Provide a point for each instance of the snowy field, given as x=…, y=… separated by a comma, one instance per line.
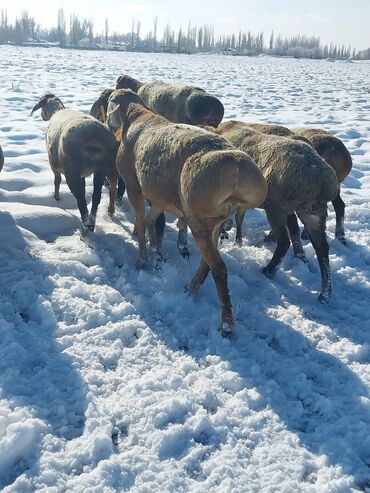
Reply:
x=113, y=379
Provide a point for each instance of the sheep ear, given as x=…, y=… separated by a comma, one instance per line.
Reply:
x=112, y=108
x=95, y=108
x=37, y=106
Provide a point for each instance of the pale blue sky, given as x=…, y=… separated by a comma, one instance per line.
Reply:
x=340, y=21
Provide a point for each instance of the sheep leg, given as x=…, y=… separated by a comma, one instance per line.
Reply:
x=159, y=227
x=57, y=182
x=77, y=186
x=239, y=217
x=112, y=180
x=199, y=277
x=182, y=238
x=155, y=241
x=339, y=207
x=316, y=226
x=120, y=190
x=277, y=221
x=96, y=196
x=137, y=201
x=207, y=244
x=295, y=238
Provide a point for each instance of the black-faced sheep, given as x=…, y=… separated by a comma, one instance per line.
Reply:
x=185, y=170
x=99, y=111
x=300, y=181
x=179, y=103
x=329, y=148
x=78, y=146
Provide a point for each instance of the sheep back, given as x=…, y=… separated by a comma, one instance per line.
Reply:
x=296, y=175
x=271, y=129
x=330, y=148
x=77, y=139
x=180, y=103
x=179, y=163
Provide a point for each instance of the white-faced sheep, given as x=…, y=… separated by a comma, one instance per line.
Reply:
x=300, y=181
x=179, y=103
x=185, y=170
x=328, y=147
x=78, y=146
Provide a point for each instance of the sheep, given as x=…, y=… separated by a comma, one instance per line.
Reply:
x=179, y=103
x=337, y=155
x=99, y=111
x=1, y=159
x=328, y=147
x=78, y=145
x=196, y=175
x=300, y=181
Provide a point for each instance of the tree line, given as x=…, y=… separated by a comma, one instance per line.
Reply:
x=76, y=32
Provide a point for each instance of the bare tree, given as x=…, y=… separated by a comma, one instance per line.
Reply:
x=138, y=28
x=106, y=30
x=155, y=23
x=61, y=28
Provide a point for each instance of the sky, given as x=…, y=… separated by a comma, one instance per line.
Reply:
x=340, y=21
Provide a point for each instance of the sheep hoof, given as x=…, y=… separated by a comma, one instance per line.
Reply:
x=158, y=257
x=323, y=298
x=342, y=239
x=184, y=252
x=134, y=232
x=57, y=197
x=192, y=288
x=226, y=329
x=84, y=229
x=111, y=211
x=268, y=272
x=140, y=262
x=224, y=235
x=239, y=241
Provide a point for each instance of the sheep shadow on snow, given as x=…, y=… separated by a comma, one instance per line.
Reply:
x=316, y=395
x=35, y=374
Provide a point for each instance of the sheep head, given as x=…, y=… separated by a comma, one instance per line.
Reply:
x=127, y=82
x=99, y=108
x=118, y=107
x=49, y=105
x=203, y=109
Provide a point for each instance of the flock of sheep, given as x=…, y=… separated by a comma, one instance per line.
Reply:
x=166, y=145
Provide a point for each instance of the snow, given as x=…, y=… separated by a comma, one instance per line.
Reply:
x=113, y=379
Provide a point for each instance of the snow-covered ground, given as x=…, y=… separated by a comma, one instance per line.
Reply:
x=113, y=379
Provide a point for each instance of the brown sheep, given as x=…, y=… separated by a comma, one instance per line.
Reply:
x=78, y=145
x=185, y=170
x=328, y=147
x=300, y=181
x=179, y=103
